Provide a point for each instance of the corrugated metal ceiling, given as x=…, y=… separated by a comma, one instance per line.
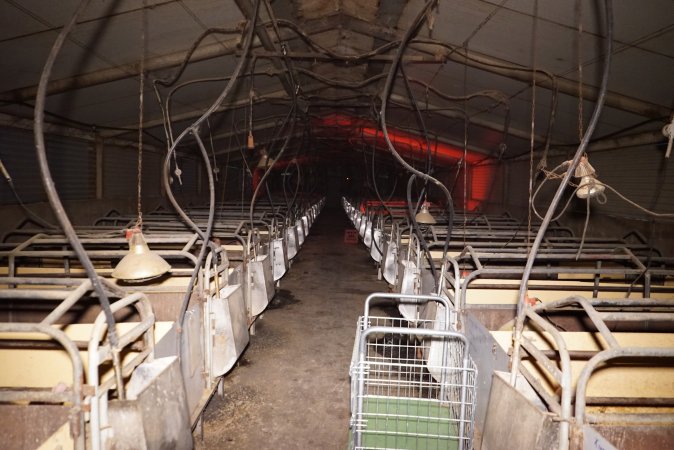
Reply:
x=108, y=37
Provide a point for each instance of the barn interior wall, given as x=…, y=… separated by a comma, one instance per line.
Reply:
x=90, y=185
x=624, y=170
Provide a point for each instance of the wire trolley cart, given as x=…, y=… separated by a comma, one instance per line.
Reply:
x=412, y=386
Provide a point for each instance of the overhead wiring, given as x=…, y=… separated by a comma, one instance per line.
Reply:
x=328, y=52
x=386, y=93
x=521, y=304
x=85, y=126
x=195, y=125
x=284, y=46
x=414, y=206
x=194, y=130
x=29, y=212
x=55, y=201
x=290, y=120
x=167, y=82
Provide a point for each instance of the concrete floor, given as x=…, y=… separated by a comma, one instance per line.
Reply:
x=291, y=388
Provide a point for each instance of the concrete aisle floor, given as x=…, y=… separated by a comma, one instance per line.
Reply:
x=291, y=387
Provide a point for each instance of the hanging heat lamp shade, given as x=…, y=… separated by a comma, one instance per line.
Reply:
x=589, y=186
x=424, y=217
x=141, y=263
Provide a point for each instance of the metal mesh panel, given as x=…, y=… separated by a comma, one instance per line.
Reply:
x=401, y=399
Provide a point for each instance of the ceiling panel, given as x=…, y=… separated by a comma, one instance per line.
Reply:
x=663, y=43
x=643, y=75
x=641, y=72
x=23, y=67
x=16, y=22
x=57, y=13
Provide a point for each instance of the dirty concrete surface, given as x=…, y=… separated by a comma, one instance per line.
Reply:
x=291, y=387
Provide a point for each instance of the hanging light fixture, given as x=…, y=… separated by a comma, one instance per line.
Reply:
x=141, y=263
x=424, y=216
x=251, y=141
x=264, y=159
x=250, y=144
x=590, y=187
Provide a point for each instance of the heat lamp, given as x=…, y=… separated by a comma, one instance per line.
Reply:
x=589, y=186
x=424, y=216
x=141, y=263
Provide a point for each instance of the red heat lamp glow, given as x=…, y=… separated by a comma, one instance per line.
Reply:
x=413, y=146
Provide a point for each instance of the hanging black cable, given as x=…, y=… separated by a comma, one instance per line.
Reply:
x=29, y=212
x=386, y=93
x=420, y=236
x=50, y=188
x=195, y=125
x=286, y=174
x=601, y=97
x=420, y=119
x=206, y=241
x=291, y=121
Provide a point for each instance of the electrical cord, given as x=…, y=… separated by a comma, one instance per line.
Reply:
x=284, y=46
x=48, y=182
x=386, y=93
x=193, y=129
x=600, y=199
x=84, y=125
x=286, y=174
x=420, y=236
x=290, y=120
x=420, y=119
x=167, y=82
x=376, y=188
x=29, y=212
x=326, y=51
x=429, y=167
x=521, y=304
x=195, y=125
x=178, y=73
x=206, y=242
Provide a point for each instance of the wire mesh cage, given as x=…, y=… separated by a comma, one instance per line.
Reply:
x=413, y=387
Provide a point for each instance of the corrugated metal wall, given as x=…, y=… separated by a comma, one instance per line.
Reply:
x=487, y=186
x=119, y=172
x=17, y=152
x=73, y=166
x=641, y=174
x=516, y=195
x=72, y=163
